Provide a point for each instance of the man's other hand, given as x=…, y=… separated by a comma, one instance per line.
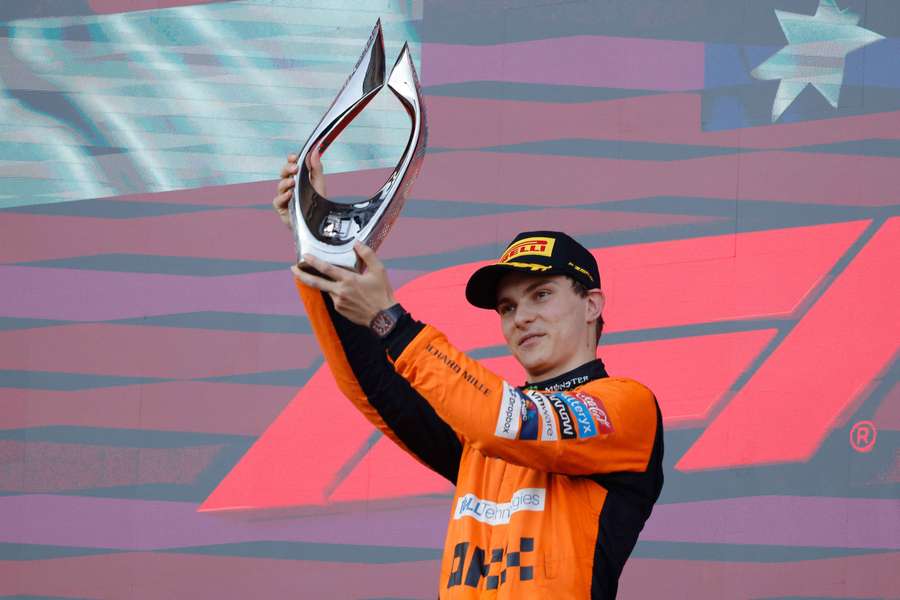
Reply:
x=286, y=183
x=357, y=296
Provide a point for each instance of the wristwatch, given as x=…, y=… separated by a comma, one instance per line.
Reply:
x=385, y=320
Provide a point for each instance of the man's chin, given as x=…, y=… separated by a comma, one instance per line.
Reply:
x=531, y=364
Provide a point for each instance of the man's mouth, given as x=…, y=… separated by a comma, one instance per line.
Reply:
x=527, y=338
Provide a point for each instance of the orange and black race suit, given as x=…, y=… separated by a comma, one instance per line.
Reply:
x=554, y=480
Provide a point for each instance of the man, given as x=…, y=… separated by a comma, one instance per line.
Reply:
x=554, y=479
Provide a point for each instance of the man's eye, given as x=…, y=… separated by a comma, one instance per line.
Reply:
x=542, y=293
x=504, y=308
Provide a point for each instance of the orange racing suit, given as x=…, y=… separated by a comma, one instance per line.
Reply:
x=554, y=480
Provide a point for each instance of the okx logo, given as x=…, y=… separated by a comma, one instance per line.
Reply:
x=496, y=568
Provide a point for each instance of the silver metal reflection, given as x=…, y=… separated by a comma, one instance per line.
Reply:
x=328, y=229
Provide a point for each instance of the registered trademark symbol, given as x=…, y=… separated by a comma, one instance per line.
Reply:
x=862, y=436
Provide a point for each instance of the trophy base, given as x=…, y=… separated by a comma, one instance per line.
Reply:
x=345, y=260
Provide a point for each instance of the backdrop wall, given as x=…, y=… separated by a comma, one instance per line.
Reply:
x=167, y=426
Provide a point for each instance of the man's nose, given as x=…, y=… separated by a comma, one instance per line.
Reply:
x=524, y=315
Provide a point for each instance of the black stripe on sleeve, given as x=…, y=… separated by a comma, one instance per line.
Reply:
x=402, y=335
x=628, y=505
x=403, y=409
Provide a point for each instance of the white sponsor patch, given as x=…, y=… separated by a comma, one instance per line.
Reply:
x=494, y=513
x=548, y=421
x=510, y=416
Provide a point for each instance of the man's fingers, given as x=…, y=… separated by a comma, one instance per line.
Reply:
x=281, y=201
x=325, y=268
x=290, y=167
x=313, y=281
x=367, y=255
x=288, y=170
x=316, y=171
x=285, y=189
x=314, y=161
x=285, y=184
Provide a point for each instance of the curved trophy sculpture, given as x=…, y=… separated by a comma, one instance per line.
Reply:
x=328, y=229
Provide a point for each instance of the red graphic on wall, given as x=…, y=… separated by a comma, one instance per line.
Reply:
x=788, y=405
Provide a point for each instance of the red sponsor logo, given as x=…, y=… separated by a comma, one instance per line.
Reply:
x=597, y=410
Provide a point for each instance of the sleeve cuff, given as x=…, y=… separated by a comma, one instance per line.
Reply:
x=400, y=337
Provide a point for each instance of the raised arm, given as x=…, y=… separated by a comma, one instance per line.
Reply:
x=361, y=369
x=366, y=377
x=609, y=425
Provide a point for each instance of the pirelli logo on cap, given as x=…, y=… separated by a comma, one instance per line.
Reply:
x=534, y=246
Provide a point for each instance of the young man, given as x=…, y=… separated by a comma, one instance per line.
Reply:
x=554, y=479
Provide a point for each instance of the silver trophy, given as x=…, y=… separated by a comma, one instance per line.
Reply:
x=327, y=229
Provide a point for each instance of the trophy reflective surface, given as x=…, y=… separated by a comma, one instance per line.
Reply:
x=327, y=229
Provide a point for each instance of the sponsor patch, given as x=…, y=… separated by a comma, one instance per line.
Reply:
x=563, y=385
x=597, y=410
x=566, y=421
x=568, y=383
x=548, y=421
x=496, y=566
x=510, y=417
x=530, y=422
x=586, y=426
x=535, y=246
x=500, y=513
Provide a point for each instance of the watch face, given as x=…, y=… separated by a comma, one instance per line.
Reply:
x=383, y=323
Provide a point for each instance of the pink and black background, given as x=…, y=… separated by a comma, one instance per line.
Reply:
x=167, y=426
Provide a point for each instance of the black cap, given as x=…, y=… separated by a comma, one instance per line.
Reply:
x=537, y=252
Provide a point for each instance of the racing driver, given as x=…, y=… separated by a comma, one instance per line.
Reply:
x=555, y=478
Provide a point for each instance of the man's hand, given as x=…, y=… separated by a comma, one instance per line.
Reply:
x=357, y=296
x=286, y=184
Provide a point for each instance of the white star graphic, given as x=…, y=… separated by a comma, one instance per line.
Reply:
x=817, y=48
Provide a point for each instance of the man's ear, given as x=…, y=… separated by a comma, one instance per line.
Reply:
x=595, y=302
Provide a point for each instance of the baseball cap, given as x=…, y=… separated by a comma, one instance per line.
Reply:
x=539, y=253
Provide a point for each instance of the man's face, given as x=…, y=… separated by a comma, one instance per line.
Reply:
x=545, y=323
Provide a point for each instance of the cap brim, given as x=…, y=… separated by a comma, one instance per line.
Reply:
x=481, y=290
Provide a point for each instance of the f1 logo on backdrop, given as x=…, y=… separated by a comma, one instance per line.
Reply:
x=798, y=386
